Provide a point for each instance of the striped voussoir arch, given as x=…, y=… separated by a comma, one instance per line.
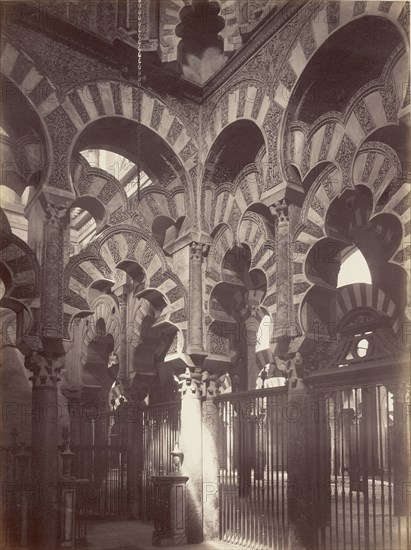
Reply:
x=359, y=295
x=222, y=243
x=33, y=84
x=92, y=101
x=156, y=201
x=100, y=261
x=248, y=100
x=102, y=308
x=20, y=159
x=8, y=330
x=21, y=264
x=330, y=17
x=378, y=167
x=138, y=311
x=335, y=137
x=253, y=233
x=104, y=188
x=246, y=189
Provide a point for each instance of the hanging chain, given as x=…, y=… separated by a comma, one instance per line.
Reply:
x=139, y=93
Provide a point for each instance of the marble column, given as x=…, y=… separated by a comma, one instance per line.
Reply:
x=134, y=413
x=400, y=448
x=191, y=445
x=44, y=369
x=210, y=417
x=197, y=253
x=48, y=218
x=122, y=357
x=135, y=459
x=55, y=228
x=300, y=449
x=284, y=326
x=73, y=395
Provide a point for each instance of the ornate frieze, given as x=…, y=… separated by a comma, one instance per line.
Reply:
x=383, y=171
x=359, y=7
x=344, y=157
x=116, y=95
x=188, y=150
x=364, y=116
x=369, y=164
x=54, y=225
x=333, y=15
x=156, y=115
x=174, y=131
x=390, y=100
x=62, y=132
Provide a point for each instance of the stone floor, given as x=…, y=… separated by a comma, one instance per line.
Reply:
x=135, y=535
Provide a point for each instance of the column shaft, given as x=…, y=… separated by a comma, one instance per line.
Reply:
x=299, y=468
x=210, y=422
x=44, y=450
x=123, y=370
x=283, y=329
x=197, y=252
x=191, y=445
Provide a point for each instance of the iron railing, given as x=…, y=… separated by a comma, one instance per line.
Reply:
x=161, y=429
x=252, y=443
x=103, y=463
x=363, y=445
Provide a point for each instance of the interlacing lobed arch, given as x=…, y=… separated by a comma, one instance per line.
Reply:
x=21, y=277
x=116, y=249
x=104, y=307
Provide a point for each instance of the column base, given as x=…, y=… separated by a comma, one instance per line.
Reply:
x=168, y=539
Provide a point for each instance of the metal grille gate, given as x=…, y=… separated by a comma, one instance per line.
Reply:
x=161, y=429
x=362, y=473
x=253, y=468
x=104, y=464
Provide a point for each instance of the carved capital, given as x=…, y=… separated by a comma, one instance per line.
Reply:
x=198, y=251
x=56, y=214
x=44, y=369
x=211, y=384
x=253, y=301
x=191, y=383
x=280, y=211
x=293, y=367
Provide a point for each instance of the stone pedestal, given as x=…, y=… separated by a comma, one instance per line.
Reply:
x=170, y=510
